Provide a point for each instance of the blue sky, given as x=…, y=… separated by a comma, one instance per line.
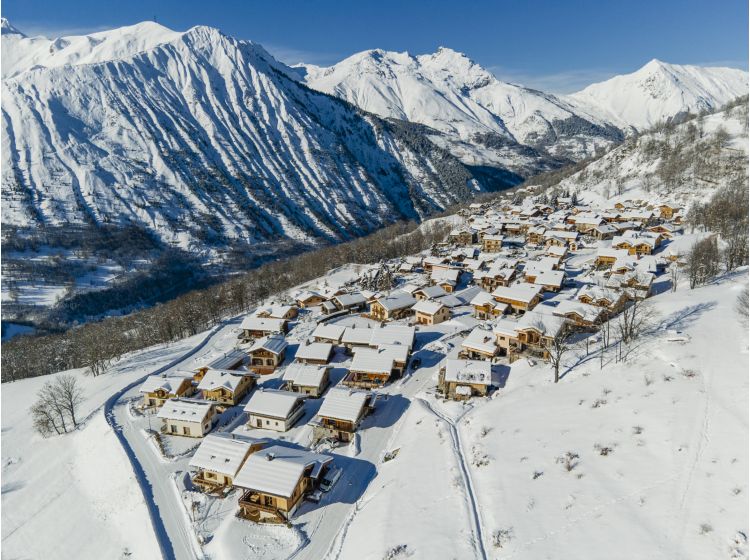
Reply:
x=557, y=46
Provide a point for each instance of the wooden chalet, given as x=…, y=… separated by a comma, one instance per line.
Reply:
x=267, y=353
x=461, y=379
x=226, y=387
x=157, y=389
x=341, y=413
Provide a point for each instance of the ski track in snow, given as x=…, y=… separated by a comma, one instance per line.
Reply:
x=477, y=528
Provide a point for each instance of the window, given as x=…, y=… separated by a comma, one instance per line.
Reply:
x=268, y=500
x=185, y=431
x=173, y=428
x=269, y=361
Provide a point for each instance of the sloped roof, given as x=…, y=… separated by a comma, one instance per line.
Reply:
x=427, y=307
x=228, y=379
x=168, y=384
x=314, y=351
x=228, y=359
x=372, y=360
x=393, y=334
x=518, y=292
x=344, y=404
x=272, y=402
x=329, y=332
x=277, y=470
x=274, y=343
x=306, y=375
x=262, y=324
x=481, y=340
x=185, y=410
x=468, y=371
x=223, y=453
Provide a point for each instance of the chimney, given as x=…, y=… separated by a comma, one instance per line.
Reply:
x=270, y=456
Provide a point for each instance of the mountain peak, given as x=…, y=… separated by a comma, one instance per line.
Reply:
x=8, y=29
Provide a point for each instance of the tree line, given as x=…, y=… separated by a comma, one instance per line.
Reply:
x=98, y=345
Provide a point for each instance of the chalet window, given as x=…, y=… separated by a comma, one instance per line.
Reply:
x=185, y=431
x=269, y=361
x=268, y=500
x=173, y=428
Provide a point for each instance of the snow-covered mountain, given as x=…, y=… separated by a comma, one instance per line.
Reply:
x=452, y=94
x=660, y=91
x=201, y=139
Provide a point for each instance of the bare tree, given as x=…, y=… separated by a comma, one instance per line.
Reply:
x=70, y=395
x=703, y=261
x=635, y=319
x=743, y=305
x=558, y=347
x=674, y=275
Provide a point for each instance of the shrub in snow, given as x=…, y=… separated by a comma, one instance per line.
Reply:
x=485, y=430
x=603, y=451
x=569, y=460
x=501, y=537
x=598, y=403
x=537, y=474
x=705, y=528
x=400, y=551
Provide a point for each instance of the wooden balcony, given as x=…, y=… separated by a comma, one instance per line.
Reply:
x=252, y=508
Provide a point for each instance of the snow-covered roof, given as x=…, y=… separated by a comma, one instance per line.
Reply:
x=263, y=324
x=483, y=298
x=350, y=300
x=223, y=452
x=277, y=470
x=168, y=384
x=431, y=291
x=185, y=410
x=228, y=379
x=396, y=300
x=314, y=351
x=393, y=334
x=275, y=311
x=428, y=307
x=357, y=335
x=305, y=375
x=307, y=295
x=546, y=324
x=344, y=404
x=481, y=340
x=329, y=332
x=550, y=278
x=272, y=402
x=449, y=300
x=518, y=292
x=468, y=371
x=372, y=360
x=228, y=359
x=274, y=343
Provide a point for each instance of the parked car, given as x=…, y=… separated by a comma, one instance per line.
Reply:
x=329, y=479
x=315, y=497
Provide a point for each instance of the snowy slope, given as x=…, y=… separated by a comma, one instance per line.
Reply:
x=659, y=91
x=450, y=93
x=201, y=139
x=683, y=164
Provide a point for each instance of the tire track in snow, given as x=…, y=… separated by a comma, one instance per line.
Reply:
x=465, y=475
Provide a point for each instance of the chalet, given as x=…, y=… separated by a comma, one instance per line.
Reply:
x=428, y=312
x=341, y=413
x=579, y=315
x=486, y=307
x=429, y=263
x=462, y=379
x=309, y=299
x=604, y=231
x=609, y=299
x=636, y=244
x=226, y=387
x=350, y=302
x=636, y=284
x=429, y=292
x=256, y=327
x=275, y=480
x=272, y=409
x=394, y=306
x=219, y=457
x=330, y=333
x=316, y=353
x=536, y=331
x=667, y=231
x=234, y=359
x=356, y=337
x=535, y=235
x=549, y=280
x=496, y=276
x=310, y=380
x=462, y=236
x=445, y=278
x=585, y=223
x=187, y=417
x=479, y=344
x=492, y=243
x=562, y=239
x=287, y=312
x=370, y=367
x=607, y=256
x=328, y=307
x=520, y=297
x=557, y=251
x=506, y=337
x=267, y=353
x=157, y=389
x=392, y=335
